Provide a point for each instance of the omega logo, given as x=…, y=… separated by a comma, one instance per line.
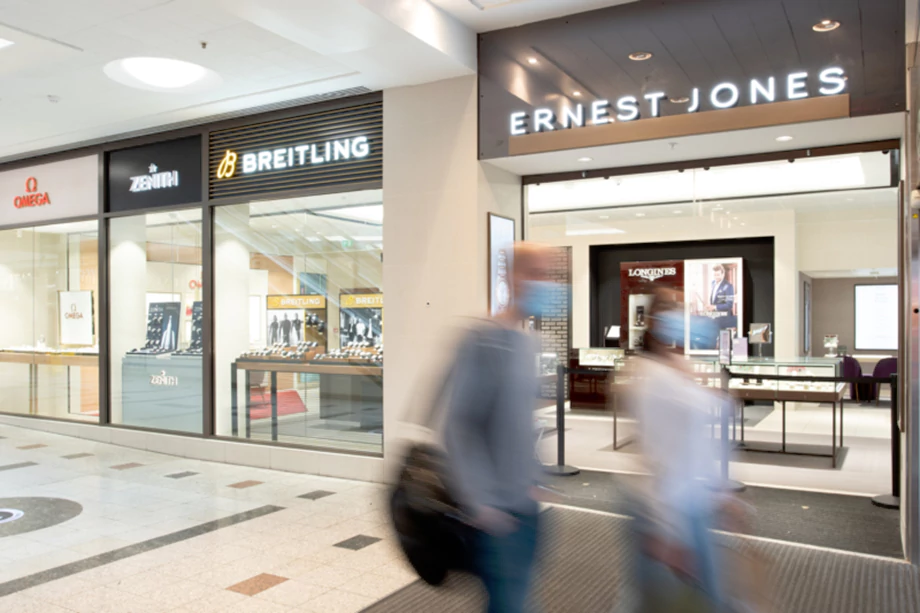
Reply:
x=193, y=284
x=74, y=313
x=32, y=197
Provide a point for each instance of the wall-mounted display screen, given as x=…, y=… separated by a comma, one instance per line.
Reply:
x=876, y=317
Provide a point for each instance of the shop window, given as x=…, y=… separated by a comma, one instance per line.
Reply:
x=299, y=321
x=49, y=361
x=155, y=307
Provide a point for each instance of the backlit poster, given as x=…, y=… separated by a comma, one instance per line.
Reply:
x=76, y=318
x=713, y=291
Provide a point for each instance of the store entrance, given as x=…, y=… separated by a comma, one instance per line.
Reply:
x=792, y=268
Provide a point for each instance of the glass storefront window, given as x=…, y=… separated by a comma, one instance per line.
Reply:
x=49, y=357
x=156, y=312
x=299, y=321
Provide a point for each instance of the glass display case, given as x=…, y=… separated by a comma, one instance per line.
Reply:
x=749, y=375
x=706, y=371
x=595, y=357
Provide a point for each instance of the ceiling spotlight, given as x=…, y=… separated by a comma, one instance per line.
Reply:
x=532, y=61
x=576, y=93
x=680, y=100
x=826, y=25
x=784, y=139
x=5, y=43
x=640, y=56
x=585, y=159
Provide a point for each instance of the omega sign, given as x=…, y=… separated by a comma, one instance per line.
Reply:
x=73, y=313
x=652, y=274
x=833, y=81
x=32, y=197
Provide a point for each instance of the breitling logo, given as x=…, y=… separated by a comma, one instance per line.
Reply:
x=227, y=167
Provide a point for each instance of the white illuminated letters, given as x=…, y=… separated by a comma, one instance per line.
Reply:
x=628, y=107
x=518, y=123
x=721, y=102
x=694, y=101
x=797, y=86
x=574, y=117
x=768, y=93
x=655, y=99
x=600, y=112
x=293, y=156
x=834, y=82
x=768, y=89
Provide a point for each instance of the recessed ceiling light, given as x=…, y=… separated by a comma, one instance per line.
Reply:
x=161, y=74
x=576, y=93
x=605, y=217
x=532, y=61
x=6, y=43
x=679, y=100
x=677, y=212
x=784, y=139
x=640, y=56
x=826, y=25
x=585, y=159
x=640, y=214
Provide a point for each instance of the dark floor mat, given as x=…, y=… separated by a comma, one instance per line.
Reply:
x=850, y=523
x=585, y=562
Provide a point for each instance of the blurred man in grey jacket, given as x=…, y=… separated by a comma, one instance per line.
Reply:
x=490, y=434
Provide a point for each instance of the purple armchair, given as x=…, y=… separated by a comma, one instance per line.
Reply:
x=885, y=368
x=851, y=368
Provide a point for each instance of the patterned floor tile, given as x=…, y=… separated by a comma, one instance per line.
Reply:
x=259, y=583
x=358, y=542
x=181, y=475
x=127, y=466
x=316, y=495
x=76, y=456
x=35, y=446
x=244, y=484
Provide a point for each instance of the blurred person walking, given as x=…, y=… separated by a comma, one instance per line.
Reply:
x=490, y=435
x=677, y=566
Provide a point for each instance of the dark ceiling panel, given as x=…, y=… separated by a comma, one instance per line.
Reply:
x=696, y=43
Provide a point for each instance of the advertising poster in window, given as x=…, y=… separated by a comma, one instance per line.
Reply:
x=361, y=320
x=76, y=317
x=713, y=291
x=501, y=261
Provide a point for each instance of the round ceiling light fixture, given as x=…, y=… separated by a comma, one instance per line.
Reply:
x=680, y=100
x=641, y=56
x=826, y=25
x=161, y=74
x=576, y=93
x=532, y=61
x=784, y=139
x=585, y=159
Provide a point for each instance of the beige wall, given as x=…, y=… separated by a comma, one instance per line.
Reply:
x=833, y=311
x=849, y=239
x=436, y=197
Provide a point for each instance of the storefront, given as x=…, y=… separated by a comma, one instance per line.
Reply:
x=241, y=265
x=761, y=182
x=50, y=299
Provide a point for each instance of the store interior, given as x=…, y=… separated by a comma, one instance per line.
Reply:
x=807, y=247
x=307, y=314
x=49, y=355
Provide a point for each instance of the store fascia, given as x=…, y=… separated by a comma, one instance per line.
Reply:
x=325, y=157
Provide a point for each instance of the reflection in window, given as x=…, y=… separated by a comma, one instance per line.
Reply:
x=156, y=315
x=299, y=321
x=49, y=357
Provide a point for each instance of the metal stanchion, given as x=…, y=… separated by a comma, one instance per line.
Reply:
x=726, y=483
x=893, y=500
x=560, y=468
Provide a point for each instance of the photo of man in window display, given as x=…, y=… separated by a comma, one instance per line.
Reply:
x=714, y=294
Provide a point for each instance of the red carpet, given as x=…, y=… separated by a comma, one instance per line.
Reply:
x=289, y=402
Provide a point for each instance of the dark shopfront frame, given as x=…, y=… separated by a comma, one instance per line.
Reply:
x=207, y=205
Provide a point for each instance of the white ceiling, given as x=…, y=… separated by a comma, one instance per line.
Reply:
x=710, y=146
x=53, y=91
x=487, y=15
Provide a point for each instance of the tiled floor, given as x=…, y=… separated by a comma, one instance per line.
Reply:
x=864, y=469
x=147, y=539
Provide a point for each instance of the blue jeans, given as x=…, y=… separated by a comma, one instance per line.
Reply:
x=505, y=564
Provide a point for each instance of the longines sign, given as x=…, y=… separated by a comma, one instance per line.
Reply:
x=50, y=191
x=795, y=86
x=652, y=274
